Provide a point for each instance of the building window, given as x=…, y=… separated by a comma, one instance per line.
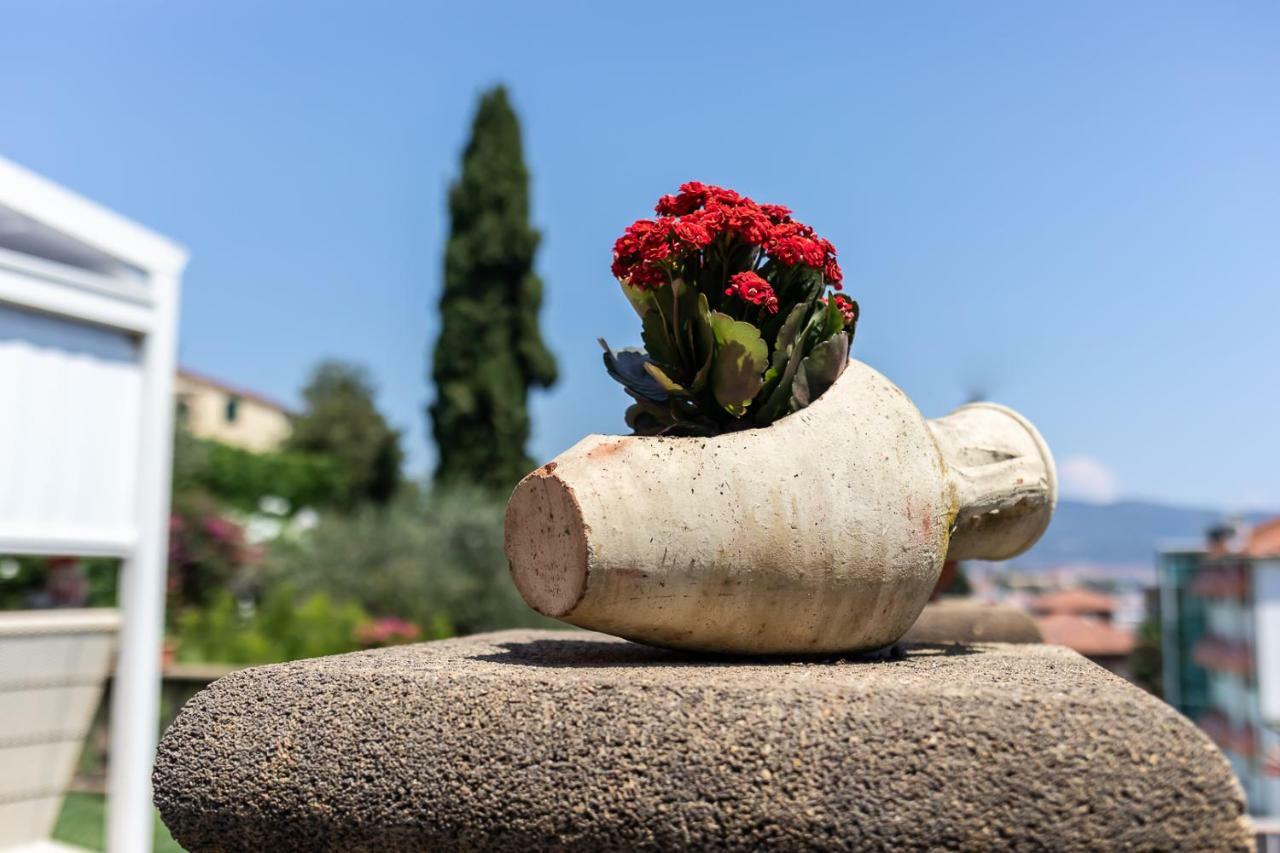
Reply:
x=233, y=409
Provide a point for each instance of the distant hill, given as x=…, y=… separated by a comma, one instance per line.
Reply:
x=1121, y=534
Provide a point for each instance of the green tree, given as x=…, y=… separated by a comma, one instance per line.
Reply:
x=1147, y=660
x=342, y=423
x=490, y=351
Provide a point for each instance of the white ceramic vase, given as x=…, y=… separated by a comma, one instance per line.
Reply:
x=824, y=532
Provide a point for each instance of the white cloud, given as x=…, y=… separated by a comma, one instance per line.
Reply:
x=1085, y=478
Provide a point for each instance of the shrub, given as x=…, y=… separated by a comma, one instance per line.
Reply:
x=207, y=551
x=36, y=582
x=242, y=478
x=284, y=625
x=436, y=562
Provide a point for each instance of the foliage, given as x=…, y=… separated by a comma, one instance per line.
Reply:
x=207, y=551
x=490, y=351
x=1148, y=658
x=282, y=626
x=83, y=820
x=32, y=582
x=738, y=326
x=342, y=423
x=437, y=562
x=242, y=478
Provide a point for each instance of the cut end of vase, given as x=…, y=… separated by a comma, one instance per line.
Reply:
x=546, y=543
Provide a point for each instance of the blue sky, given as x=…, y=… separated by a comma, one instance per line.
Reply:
x=1072, y=208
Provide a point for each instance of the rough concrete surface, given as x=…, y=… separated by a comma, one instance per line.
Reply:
x=967, y=621
x=537, y=740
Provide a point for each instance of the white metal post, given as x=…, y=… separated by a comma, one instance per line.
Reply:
x=135, y=703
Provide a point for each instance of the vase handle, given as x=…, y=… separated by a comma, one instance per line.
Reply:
x=1005, y=481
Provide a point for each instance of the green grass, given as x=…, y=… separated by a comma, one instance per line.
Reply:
x=83, y=823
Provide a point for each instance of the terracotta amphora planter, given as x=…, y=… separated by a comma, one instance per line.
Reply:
x=824, y=532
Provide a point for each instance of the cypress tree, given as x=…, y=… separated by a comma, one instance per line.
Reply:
x=490, y=351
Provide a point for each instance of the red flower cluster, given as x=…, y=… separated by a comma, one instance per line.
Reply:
x=750, y=287
x=647, y=252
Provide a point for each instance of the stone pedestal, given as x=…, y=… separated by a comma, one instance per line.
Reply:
x=530, y=740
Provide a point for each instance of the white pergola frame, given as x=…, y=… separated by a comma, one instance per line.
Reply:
x=148, y=310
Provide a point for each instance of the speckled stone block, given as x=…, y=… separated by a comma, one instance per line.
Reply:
x=533, y=740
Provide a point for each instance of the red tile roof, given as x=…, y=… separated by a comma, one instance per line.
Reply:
x=233, y=390
x=1264, y=540
x=1090, y=637
x=1073, y=601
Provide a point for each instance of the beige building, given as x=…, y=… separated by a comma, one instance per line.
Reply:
x=234, y=416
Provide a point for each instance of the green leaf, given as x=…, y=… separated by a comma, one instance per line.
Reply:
x=832, y=321
x=663, y=298
x=648, y=418
x=704, y=344
x=819, y=370
x=627, y=366
x=787, y=335
x=641, y=300
x=668, y=384
x=657, y=339
x=740, y=359
x=775, y=405
x=678, y=416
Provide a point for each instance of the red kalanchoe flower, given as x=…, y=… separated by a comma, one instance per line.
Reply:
x=651, y=252
x=776, y=212
x=693, y=232
x=751, y=288
x=666, y=205
x=647, y=276
x=697, y=189
x=656, y=247
x=791, y=250
x=792, y=243
x=724, y=196
x=832, y=273
x=678, y=205
x=748, y=222
x=713, y=218
x=830, y=269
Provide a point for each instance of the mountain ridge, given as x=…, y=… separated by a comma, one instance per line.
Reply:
x=1124, y=533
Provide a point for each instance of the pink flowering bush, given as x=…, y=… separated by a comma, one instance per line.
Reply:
x=739, y=325
x=388, y=631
